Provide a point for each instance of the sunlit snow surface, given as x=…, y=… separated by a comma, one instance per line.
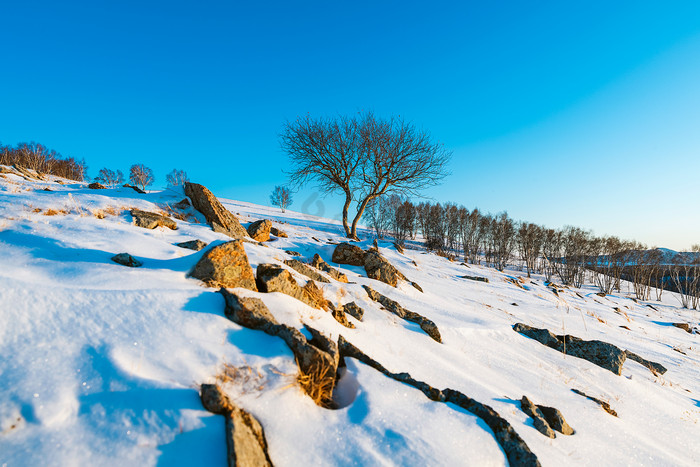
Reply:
x=101, y=363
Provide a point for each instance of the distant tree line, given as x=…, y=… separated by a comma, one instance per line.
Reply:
x=570, y=255
x=38, y=157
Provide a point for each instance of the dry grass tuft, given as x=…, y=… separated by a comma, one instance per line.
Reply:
x=244, y=377
x=318, y=384
x=54, y=212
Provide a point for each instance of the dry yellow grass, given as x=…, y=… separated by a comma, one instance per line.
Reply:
x=318, y=384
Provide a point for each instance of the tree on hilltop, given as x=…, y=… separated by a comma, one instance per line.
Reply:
x=177, y=178
x=141, y=176
x=281, y=197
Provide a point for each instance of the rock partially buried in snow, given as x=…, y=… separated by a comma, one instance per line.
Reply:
x=345, y=253
x=537, y=417
x=377, y=267
x=274, y=278
x=318, y=263
x=151, y=220
x=278, y=233
x=195, y=245
x=354, y=310
x=225, y=265
x=302, y=268
x=96, y=186
x=220, y=219
x=135, y=188
x=245, y=439
x=260, y=230
x=125, y=259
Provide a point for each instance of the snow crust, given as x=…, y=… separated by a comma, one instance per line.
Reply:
x=100, y=363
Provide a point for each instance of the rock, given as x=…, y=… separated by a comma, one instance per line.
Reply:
x=96, y=186
x=652, y=366
x=603, y=354
x=339, y=315
x=417, y=287
x=302, y=268
x=245, y=438
x=195, y=245
x=345, y=253
x=278, y=233
x=274, y=278
x=125, y=259
x=184, y=203
x=260, y=230
x=684, y=326
x=476, y=278
x=517, y=451
x=601, y=403
x=225, y=265
x=556, y=420
x=220, y=219
x=398, y=247
x=151, y=220
x=354, y=310
x=135, y=188
x=292, y=253
x=537, y=417
x=377, y=267
x=249, y=312
x=318, y=263
x=425, y=324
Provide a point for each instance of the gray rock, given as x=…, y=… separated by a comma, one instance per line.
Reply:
x=652, y=366
x=260, y=230
x=476, y=278
x=125, y=259
x=292, y=253
x=151, y=220
x=425, y=324
x=346, y=253
x=339, y=316
x=195, y=245
x=225, y=265
x=354, y=310
x=556, y=420
x=605, y=406
x=220, y=219
x=302, y=268
x=135, y=188
x=377, y=267
x=537, y=417
x=184, y=203
x=318, y=263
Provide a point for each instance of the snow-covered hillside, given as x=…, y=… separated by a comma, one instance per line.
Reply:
x=101, y=363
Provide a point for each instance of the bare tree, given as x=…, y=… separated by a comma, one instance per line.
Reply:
x=364, y=157
x=141, y=176
x=281, y=197
x=177, y=178
x=110, y=177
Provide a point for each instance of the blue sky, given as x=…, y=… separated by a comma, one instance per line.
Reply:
x=581, y=113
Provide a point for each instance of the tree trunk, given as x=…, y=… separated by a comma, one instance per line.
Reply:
x=346, y=206
x=358, y=216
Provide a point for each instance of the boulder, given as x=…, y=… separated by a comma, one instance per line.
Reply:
x=318, y=263
x=260, y=230
x=218, y=217
x=245, y=439
x=377, y=267
x=537, y=417
x=195, y=245
x=96, y=186
x=225, y=265
x=274, y=278
x=346, y=253
x=354, y=310
x=125, y=259
x=249, y=312
x=302, y=268
x=278, y=233
x=390, y=305
x=151, y=220
x=556, y=420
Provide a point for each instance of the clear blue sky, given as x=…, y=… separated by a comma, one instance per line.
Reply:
x=582, y=113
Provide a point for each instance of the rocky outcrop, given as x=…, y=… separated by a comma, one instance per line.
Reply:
x=476, y=278
x=346, y=253
x=151, y=220
x=260, y=230
x=601, y=353
x=96, y=186
x=604, y=405
x=425, y=324
x=278, y=233
x=302, y=268
x=319, y=264
x=317, y=357
x=125, y=259
x=225, y=265
x=195, y=245
x=377, y=267
x=517, y=451
x=218, y=217
x=354, y=310
x=292, y=253
x=274, y=278
x=546, y=419
x=245, y=439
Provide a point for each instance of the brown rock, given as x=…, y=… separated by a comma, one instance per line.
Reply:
x=249, y=312
x=684, y=326
x=260, y=230
x=345, y=253
x=274, y=278
x=302, y=268
x=184, y=203
x=151, y=220
x=354, y=310
x=220, y=219
x=135, y=188
x=556, y=420
x=398, y=247
x=318, y=263
x=537, y=417
x=195, y=245
x=377, y=267
x=225, y=265
x=339, y=315
x=278, y=233
x=96, y=186
x=214, y=400
x=125, y=259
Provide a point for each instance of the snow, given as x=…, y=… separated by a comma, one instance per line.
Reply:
x=101, y=363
